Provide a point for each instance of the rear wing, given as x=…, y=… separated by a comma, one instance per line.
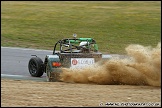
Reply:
x=78, y=40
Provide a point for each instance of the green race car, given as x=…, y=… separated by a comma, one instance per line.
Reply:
x=72, y=53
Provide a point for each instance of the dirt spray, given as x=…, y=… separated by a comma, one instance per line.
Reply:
x=142, y=68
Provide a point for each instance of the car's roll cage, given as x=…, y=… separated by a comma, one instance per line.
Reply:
x=71, y=41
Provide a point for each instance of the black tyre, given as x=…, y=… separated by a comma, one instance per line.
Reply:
x=48, y=77
x=51, y=76
x=36, y=67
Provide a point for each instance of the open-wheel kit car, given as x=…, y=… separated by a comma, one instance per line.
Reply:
x=72, y=53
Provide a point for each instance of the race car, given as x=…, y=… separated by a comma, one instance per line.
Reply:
x=67, y=53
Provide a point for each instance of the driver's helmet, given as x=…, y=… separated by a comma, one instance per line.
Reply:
x=83, y=43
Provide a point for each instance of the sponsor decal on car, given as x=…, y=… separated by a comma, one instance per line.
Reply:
x=81, y=62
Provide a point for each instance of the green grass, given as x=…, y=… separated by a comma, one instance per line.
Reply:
x=113, y=24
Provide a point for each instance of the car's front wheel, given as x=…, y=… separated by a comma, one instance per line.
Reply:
x=36, y=67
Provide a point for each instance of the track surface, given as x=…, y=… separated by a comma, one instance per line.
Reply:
x=14, y=61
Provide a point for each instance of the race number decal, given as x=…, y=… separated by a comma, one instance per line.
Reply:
x=81, y=62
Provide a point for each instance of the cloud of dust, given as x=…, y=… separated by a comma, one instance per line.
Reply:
x=142, y=68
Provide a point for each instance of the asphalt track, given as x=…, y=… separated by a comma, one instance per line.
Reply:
x=14, y=62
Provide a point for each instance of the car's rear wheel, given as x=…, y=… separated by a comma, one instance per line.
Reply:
x=35, y=67
x=51, y=76
x=48, y=77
